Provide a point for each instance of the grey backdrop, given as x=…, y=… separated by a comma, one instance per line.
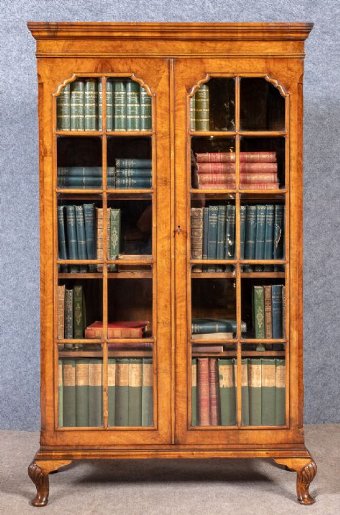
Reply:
x=19, y=238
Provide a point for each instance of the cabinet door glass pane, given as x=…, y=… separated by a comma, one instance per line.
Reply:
x=128, y=106
x=262, y=108
x=212, y=107
x=79, y=162
x=79, y=105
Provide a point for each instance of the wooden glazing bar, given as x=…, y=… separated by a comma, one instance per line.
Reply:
x=79, y=262
x=80, y=341
x=263, y=275
x=211, y=341
x=231, y=134
x=130, y=341
x=213, y=261
x=79, y=133
x=131, y=191
x=263, y=261
x=212, y=275
x=130, y=262
x=263, y=340
x=90, y=275
x=233, y=354
x=141, y=134
x=287, y=256
x=130, y=275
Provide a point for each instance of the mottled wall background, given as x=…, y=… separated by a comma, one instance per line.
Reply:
x=19, y=236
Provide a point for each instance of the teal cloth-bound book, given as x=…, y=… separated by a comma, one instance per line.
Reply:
x=61, y=234
x=243, y=211
x=221, y=219
x=109, y=105
x=249, y=246
x=90, y=105
x=259, y=235
x=268, y=235
x=145, y=110
x=132, y=163
x=277, y=310
x=80, y=229
x=212, y=235
x=77, y=106
x=132, y=106
x=119, y=101
x=71, y=232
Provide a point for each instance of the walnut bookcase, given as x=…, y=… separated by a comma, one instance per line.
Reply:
x=253, y=73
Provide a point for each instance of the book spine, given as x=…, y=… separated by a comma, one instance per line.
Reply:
x=95, y=392
x=114, y=247
x=133, y=172
x=245, y=388
x=280, y=393
x=111, y=380
x=79, y=171
x=243, y=210
x=68, y=314
x=221, y=232
x=268, y=400
x=69, y=393
x=64, y=109
x=192, y=113
x=229, y=157
x=135, y=392
x=205, y=179
x=214, y=326
x=194, y=392
x=133, y=182
x=212, y=233
x=133, y=163
x=202, y=110
x=259, y=185
x=89, y=219
x=114, y=332
x=249, y=246
x=205, y=232
x=77, y=105
x=61, y=234
x=203, y=392
x=259, y=234
x=145, y=110
x=100, y=254
x=230, y=232
x=132, y=106
x=268, y=311
x=278, y=231
x=284, y=312
x=277, y=310
x=78, y=311
x=258, y=311
x=61, y=312
x=82, y=392
x=109, y=105
x=100, y=105
x=197, y=235
x=227, y=391
x=265, y=170
x=119, y=97
x=80, y=229
x=269, y=232
x=250, y=178
x=60, y=394
x=79, y=182
x=90, y=105
x=71, y=232
x=147, y=392
x=213, y=393
x=255, y=371
x=122, y=392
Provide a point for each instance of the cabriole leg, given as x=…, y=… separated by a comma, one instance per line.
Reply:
x=38, y=471
x=306, y=471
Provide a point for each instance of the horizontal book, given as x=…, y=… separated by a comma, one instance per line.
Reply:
x=230, y=157
x=77, y=181
x=132, y=182
x=133, y=163
x=213, y=336
x=133, y=172
x=208, y=349
x=210, y=325
x=84, y=171
x=123, y=329
x=218, y=168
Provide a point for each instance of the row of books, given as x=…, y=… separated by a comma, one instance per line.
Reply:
x=269, y=311
x=215, y=328
x=216, y=170
x=128, y=106
x=80, y=235
x=80, y=387
x=261, y=233
x=127, y=173
x=214, y=386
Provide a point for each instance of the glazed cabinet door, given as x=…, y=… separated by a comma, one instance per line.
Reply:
x=105, y=203
x=237, y=155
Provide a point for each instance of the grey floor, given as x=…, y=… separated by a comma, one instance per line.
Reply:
x=171, y=487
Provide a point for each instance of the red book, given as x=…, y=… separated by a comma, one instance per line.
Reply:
x=229, y=157
x=260, y=186
x=258, y=177
x=125, y=329
x=213, y=388
x=203, y=391
x=209, y=178
x=231, y=167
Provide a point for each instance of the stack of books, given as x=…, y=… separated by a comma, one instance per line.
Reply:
x=132, y=173
x=128, y=106
x=269, y=311
x=71, y=313
x=214, y=391
x=79, y=106
x=216, y=170
x=214, y=328
x=130, y=392
x=119, y=329
x=83, y=177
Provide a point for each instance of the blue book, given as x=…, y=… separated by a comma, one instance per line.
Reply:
x=72, y=249
x=80, y=171
x=79, y=182
x=277, y=310
x=205, y=233
x=243, y=211
x=249, y=245
x=221, y=220
x=210, y=325
x=89, y=218
x=212, y=235
x=133, y=163
x=268, y=235
x=133, y=172
x=61, y=234
x=130, y=182
x=259, y=236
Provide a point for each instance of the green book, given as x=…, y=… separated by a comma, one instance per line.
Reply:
x=131, y=164
x=280, y=399
x=114, y=243
x=69, y=393
x=72, y=248
x=135, y=392
x=79, y=182
x=269, y=232
x=205, y=232
x=249, y=245
x=258, y=312
x=61, y=234
x=221, y=220
x=79, y=171
x=82, y=392
x=64, y=109
x=194, y=392
x=145, y=110
x=244, y=390
x=100, y=105
x=80, y=229
x=131, y=182
x=79, y=322
x=202, y=111
x=122, y=392
x=60, y=394
x=212, y=235
x=259, y=235
x=254, y=378
x=95, y=392
x=132, y=106
x=90, y=105
x=268, y=394
x=109, y=105
x=90, y=233
x=147, y=392
x=68, y=318
x=77, y=105
x=243, y=210
x=112, y=390
x=192, y=113
x=277, y=310
x=227, y=390
x=133, y=172
x=119, y=102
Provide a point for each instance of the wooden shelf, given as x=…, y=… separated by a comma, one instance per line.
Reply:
x=233, y=354
x=111, y=354
x=221, y=193
x=232, y=134
x=110, y=134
